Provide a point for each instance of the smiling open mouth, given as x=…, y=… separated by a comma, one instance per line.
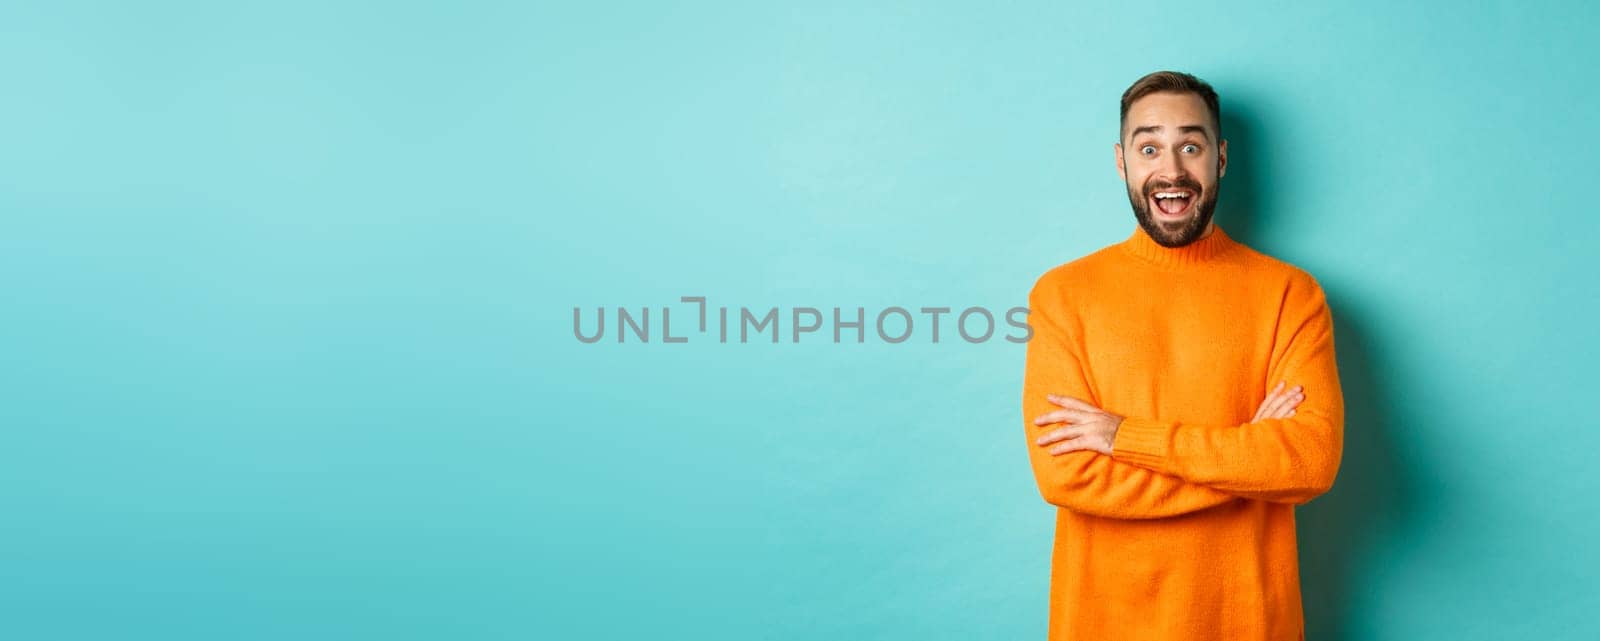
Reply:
x=1173, y=202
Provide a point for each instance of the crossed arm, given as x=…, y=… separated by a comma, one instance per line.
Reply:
x=1092, y=460
x=1095, y=429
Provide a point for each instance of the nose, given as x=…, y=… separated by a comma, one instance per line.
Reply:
x=1171, y=168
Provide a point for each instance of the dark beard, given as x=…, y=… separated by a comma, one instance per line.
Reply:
x=1183, y=233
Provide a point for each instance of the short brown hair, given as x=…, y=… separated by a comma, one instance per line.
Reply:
x=1175, y=82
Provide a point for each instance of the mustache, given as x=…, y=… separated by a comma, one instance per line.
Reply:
x=1189, y=184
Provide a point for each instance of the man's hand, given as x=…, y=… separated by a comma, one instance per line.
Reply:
x=1091, y=428
x=1279, y=403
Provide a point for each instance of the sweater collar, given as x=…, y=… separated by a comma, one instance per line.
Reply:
x=1205, y=250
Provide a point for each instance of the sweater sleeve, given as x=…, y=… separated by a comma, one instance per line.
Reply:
x=1290, y=460
x=1087, y=481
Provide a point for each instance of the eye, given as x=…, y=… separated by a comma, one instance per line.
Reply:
x=1147, y=149
x=1191, y=148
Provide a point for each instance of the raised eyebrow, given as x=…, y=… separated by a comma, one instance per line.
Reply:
x=1153, y=129
x=1147, y=129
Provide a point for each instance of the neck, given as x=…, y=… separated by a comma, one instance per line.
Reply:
x=1210, y=245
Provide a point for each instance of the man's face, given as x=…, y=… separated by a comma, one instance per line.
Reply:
x=1172, y=163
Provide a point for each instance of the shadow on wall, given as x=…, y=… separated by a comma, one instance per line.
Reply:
x=1372, y=496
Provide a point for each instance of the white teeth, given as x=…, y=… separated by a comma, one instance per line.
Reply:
x=1180, y=194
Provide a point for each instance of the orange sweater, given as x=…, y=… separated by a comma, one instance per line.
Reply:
x=1186, y=530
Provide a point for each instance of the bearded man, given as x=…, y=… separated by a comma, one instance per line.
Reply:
x=1180, y=398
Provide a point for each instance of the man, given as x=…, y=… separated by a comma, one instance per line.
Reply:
x=1175, y=488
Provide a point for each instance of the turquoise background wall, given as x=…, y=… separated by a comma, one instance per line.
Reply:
x=289, y=289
